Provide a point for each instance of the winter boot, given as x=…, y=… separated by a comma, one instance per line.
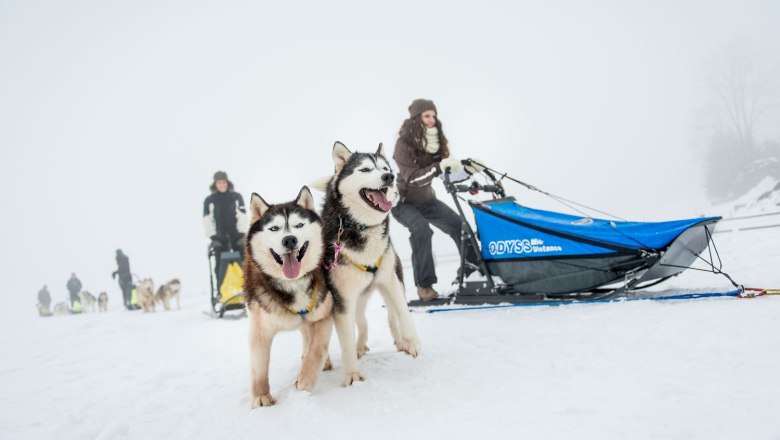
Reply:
x=427, y=293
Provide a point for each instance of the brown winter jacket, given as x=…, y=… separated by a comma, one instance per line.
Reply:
x=416, y=170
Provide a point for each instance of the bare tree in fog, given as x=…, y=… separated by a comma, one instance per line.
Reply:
x=742, y=147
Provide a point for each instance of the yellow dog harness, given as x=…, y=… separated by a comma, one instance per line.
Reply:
x=305, y=311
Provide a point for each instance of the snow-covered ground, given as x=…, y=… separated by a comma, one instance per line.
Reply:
x=680, y=369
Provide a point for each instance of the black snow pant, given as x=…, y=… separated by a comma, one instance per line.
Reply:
x=74, y=297
x=418, y=218
x=126, y=285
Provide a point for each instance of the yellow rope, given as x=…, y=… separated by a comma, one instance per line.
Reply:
x=307, y=309
x=360, y=266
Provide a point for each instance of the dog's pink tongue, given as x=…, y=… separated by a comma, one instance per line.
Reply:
x=380, y=200
x=291, y=267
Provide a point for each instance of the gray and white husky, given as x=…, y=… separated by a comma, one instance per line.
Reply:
x=359, y=254
x=285, y=288
x=169, y=291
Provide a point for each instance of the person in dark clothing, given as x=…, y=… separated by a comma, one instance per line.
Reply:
x=44, y=302
x=422, y=153
x=224, y=217
x=125, y=279
x=74, y=287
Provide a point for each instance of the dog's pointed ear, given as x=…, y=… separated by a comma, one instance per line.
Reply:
x=305, y=200
x=258, y=207
x=341, y=155
x=381, y=150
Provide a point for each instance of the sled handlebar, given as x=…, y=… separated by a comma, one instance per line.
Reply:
x=472, y=189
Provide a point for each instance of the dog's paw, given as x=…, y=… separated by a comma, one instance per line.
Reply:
x=350, y=378
x=409, y=346
x=265, y=400
x=328, y=364
x=362, y=351
x=304, y=382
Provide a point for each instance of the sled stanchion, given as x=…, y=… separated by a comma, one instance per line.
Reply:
x=220, y=305
x=466, y=228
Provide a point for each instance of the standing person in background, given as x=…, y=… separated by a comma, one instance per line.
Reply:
x=74, y=287
x=125, y=279
x=224, y=217
x=44, y=302
x=422, y=153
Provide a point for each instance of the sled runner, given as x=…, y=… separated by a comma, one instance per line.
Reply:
x=533, y=255
x=227, y=292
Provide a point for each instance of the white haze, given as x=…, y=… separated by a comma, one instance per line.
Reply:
x=115, y=115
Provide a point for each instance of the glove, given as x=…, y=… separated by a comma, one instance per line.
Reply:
x=451, y=163
x=216, y=244
x=471, y=166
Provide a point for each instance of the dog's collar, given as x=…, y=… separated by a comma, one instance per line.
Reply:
x=370, y=269
x=304, y=312
x=358, y=226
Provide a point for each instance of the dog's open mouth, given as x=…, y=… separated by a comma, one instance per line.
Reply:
x=291, y=261
x=377, y=198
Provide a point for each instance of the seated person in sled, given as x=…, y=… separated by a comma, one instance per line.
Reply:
x=44, y=302
x=224, y=219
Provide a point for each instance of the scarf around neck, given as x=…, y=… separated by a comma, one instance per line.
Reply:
x=432, y=140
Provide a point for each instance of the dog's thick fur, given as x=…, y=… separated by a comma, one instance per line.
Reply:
x=168, y=291
x=145, y=294
x=103, y=302
x=276, y=287
x=88, y=301
x=61, y=309
x=357, y=203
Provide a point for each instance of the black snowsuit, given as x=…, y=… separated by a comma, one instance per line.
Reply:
x=74, y=287
x=125, y=278
x=220, y=212
x=223, y=208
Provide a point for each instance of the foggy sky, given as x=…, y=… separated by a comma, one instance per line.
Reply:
x=115, y=115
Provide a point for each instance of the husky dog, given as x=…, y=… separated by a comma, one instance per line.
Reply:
x=87, y=300
x=103, y=302
x=168, y=291
x=285, y=288
x=61, y=309
x=145, y=293
x=360, y=255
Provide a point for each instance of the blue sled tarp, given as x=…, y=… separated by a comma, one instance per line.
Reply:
x=536, y=251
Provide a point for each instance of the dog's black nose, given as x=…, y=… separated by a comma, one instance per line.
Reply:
x=290, y=242
x=388, y=178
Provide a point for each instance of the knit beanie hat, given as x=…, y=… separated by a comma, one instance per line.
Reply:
x=419, y=106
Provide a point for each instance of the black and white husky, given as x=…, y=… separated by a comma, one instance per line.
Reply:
x=359, y=255
x=285, y=288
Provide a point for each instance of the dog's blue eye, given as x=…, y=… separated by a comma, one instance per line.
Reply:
x=365, y=170
x=386, y=169
x=299, y=225
x=274, y=228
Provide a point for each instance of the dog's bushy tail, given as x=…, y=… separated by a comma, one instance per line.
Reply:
x=321, y=184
